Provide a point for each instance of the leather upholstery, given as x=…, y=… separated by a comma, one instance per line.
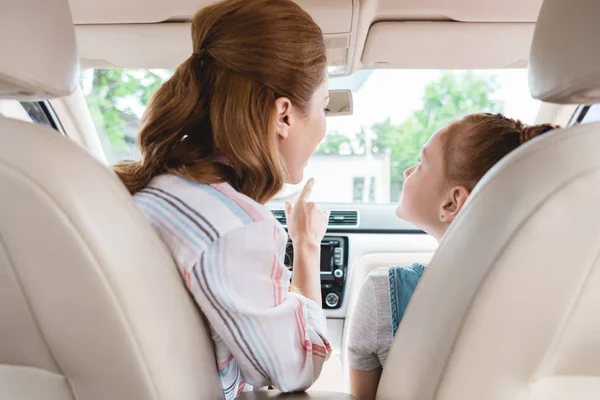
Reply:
x=37, y=44
x=564, y=62
x=91, y=304
x=509, y=307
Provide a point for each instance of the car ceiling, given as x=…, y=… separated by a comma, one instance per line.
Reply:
x=155, y=33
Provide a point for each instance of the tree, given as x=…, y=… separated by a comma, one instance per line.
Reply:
x=333, y=143
x=455, y=94
x=116, y=99
x=336, y=143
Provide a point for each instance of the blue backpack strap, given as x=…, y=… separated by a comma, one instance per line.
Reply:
x=402, y=284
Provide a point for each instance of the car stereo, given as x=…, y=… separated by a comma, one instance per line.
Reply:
x=333, y=268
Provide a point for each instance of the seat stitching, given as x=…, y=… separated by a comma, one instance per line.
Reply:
x=17, y=278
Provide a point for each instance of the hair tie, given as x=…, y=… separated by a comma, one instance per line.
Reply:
x=202, y=54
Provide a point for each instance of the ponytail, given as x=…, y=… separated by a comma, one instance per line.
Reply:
x=527, y=133
x=478, y=141
x=211, y=122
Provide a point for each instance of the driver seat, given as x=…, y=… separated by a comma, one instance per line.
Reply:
x=92, y=306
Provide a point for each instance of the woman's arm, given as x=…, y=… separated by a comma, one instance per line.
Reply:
x=363, y=384
x=241, y=285
x=306, y=275
x=307, y=225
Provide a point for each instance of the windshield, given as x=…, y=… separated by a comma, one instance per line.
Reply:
x=363, y=156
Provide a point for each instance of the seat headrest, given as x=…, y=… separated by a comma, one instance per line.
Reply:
x=564, y=63
x=38, y=50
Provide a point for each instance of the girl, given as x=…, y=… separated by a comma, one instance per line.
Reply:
x=238, y=119
x=435, y=190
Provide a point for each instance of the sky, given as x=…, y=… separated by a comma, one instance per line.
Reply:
x=397, y=93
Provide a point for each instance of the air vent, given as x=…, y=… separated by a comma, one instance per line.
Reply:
x=343, y=218
x=348, y=218
x=280, y=216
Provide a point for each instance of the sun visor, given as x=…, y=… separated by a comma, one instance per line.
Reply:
x=333, y=16
x=447, y=45
x=160, y=46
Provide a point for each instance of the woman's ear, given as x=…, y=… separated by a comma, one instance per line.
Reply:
x=283, y=118
x=453, y=203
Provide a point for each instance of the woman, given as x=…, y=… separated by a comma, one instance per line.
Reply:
x=434, y=192
x=238, y=119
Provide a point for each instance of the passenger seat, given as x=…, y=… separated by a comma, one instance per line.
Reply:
x=509, y=308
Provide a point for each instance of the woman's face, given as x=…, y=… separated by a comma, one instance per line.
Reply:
x=424, y=187
x=302, y=133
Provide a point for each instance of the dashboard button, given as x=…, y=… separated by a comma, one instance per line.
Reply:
x=338, y=273
x=332, y=300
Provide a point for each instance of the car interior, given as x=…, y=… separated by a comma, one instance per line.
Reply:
x=93, y=307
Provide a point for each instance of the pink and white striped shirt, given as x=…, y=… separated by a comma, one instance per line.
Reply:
x=230, y=251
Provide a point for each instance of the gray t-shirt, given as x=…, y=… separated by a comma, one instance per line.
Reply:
x=371, y=334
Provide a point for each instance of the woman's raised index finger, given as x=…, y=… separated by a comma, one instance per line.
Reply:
x=307, y=190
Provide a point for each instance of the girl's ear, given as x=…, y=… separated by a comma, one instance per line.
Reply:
x=453, y=203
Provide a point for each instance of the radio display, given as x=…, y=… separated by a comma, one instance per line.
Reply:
x=326, y=258
x=331, y=256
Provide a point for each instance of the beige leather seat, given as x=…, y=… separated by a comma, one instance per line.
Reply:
x=91, y=305
x=510, y=305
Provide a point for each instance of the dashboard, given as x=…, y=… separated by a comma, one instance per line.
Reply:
x=357, y=231
x=333, y=269
x=359, y=238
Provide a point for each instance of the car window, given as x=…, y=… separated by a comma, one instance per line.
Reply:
x=14, y=109
x=363, y=156
x=592, y=114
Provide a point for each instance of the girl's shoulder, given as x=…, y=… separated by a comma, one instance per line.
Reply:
x=379, y=279
x=415, y=268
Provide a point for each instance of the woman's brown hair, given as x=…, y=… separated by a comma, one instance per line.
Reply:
x=475, y=143
x=211, y=122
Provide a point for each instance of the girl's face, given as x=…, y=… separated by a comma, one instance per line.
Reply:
x=428, y=201
x=299, y=135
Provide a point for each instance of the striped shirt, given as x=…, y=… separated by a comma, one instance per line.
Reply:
x=230, y=250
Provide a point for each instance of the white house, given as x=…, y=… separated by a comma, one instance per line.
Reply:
x=355, y=178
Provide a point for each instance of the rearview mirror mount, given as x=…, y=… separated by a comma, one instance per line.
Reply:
x=340, y=103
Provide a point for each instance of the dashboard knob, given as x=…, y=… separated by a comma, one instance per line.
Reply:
x=338, y=273
x=332, y=299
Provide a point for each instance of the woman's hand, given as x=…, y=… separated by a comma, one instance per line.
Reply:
x=307, y=225
x=306, y=222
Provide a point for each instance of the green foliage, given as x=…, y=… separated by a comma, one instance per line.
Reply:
x=333, y=143
x=336, y=143
x=117, y=96
x=114, y=95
